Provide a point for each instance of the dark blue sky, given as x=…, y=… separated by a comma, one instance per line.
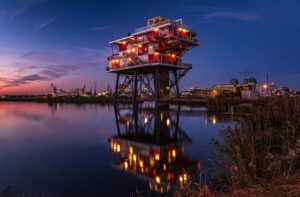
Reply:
x=67, y=41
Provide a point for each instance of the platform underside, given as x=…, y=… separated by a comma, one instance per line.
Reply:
x=149, y=68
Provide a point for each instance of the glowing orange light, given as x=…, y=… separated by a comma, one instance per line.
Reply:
x=145, y=120
x=157, y=156
x=174, y=152
x=139, y=45
x=157, y=179
x=214, y=120
x=180, y=178
x=118, y=148
x=141, y=163
x=151, y=162
x=156, y=29
x=185, y=176
x=123, y=42
x=115, y=147
x=131, y=150
x=126, y=165
x=127, y=123
x=134, y=158
x=168, y=122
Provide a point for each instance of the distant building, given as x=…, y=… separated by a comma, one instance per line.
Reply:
x=265, y=89
x=200, y=92
x=250, y=94
x=225, y=88
x=232, y=87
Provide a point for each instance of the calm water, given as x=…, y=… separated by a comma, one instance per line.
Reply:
x=94, y=150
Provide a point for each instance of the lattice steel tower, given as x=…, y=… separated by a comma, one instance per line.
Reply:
x=149, y=63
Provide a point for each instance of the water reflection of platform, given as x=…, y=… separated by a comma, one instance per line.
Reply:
x=150, y=144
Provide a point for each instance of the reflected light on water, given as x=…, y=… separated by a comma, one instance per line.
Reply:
x=68, y=143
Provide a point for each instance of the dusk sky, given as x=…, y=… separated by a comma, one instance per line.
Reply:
x=66, y=42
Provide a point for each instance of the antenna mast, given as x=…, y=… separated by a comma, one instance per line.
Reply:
x=112, y=46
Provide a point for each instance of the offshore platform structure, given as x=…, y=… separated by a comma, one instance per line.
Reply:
x=149, y=63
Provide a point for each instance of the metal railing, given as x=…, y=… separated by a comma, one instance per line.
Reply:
x=177, y=23
x=150, y=63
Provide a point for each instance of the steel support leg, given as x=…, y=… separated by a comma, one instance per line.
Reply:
x=117, y=119
x=135, y=91
x=157, y=88
x=116, y=89
x=176, y=83
x=136, y=122
x=177, y=121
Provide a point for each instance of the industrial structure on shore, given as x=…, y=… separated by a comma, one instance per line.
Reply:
x=149, y=62
x=92, y=92
x=249, y=89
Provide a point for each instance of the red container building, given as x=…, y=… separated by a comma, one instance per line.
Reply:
x=151, y=59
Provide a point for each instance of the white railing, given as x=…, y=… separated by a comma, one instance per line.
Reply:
x=177, y=22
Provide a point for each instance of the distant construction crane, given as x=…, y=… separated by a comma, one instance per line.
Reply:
x=62, y=91
x=54, y=88
x=83, y=89
x=80, y=91
x=109, y=88
x=93, y=89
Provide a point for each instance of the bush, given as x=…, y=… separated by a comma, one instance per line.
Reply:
x=264, y=150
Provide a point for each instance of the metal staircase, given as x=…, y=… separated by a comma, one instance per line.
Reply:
x=134, y=58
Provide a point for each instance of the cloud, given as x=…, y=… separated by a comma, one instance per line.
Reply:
x=27, y=54
x=232, y=15
x=16, y=8
x=101, y=51
x=53, y=74
x=34, y=77
x=22, y=80
x=42, y=73
x=35, y=66
x=45, y=56
x=100, y=28
x=45, y=23
x=209, y=14
x=67, y=57
x=57, y=71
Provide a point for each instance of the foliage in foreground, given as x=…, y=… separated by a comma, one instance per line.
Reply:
x=261, y=153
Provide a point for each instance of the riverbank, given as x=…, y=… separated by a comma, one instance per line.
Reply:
x=47, y=99
x=101, y=100
x=261, y=156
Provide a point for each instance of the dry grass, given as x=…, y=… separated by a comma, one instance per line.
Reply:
x=262, y=153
